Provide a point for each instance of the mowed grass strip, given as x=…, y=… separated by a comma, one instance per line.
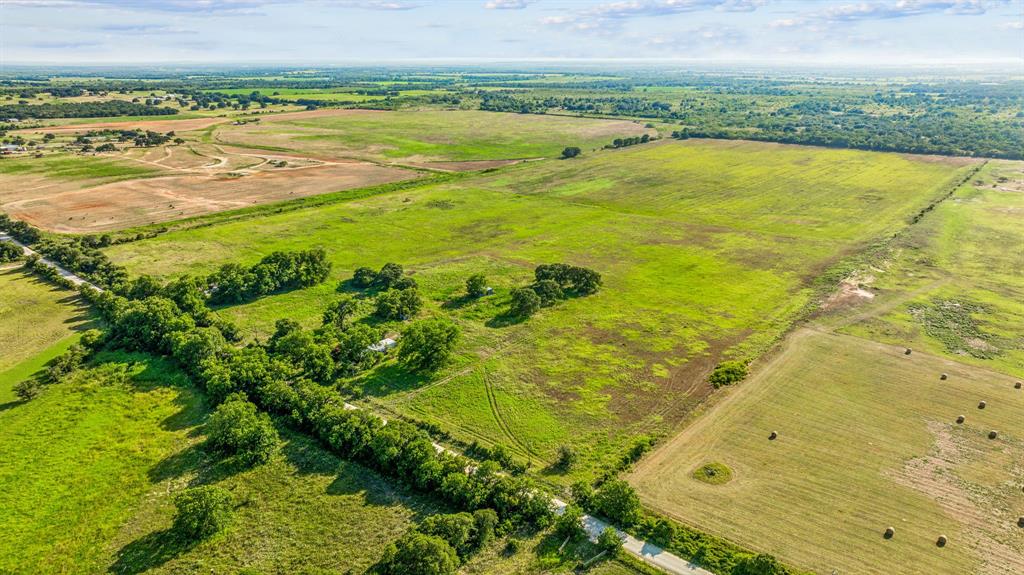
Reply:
x=867, y=439
x=684, y=287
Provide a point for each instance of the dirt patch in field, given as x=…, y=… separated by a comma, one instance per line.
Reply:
x=154, y=125
x=131, y=203
x=851, y=292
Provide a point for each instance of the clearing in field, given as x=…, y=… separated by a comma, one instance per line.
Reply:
x=867, y=435
x=708, y=253
x=455, y=139
x=85, y=194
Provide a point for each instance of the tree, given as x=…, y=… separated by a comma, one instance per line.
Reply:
x=617, y=501
x=202, y=511
x=456, y=529
x=236, y=428
x=476, y=285
x=525, y=302
x=419, y=554
x=484, y=523
x=762, y=564
x=570, y=152
x=352, y=351
x=549, y=292
x=427, y=345
x=9, y=252
x=609, y=540
x=570, y=523
x=363, y=277
x=339, y=311
x=567, y=457
x=395, y=304
x=387, y=276
x=28, y=389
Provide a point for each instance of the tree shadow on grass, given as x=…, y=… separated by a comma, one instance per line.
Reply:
x=388, y=379
x=150, y=551
x=505, y=320
x=10, y=405
x=459, y=302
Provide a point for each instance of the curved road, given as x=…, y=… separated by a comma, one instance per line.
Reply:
x=73, y=278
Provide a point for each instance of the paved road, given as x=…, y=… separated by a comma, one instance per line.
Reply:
x=75, y=279
x=646, y=552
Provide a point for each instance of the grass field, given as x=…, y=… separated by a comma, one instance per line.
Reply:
x=867, y=440
x=868, y=435
x=37, y=322
x=428, y=136
x=709, y=252
x=90, y=466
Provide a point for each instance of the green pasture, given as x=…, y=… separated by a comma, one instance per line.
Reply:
x=434, y=135
x=708, y=252
x=74, y=167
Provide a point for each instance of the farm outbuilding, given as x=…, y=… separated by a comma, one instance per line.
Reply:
x=383, y=345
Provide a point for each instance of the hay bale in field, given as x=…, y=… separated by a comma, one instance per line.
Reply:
x=993, y=434
x=981, y=405
x=889, y=532
x=960, y=419
x=1017, y=385
x=772, y=436
x=941, y=541
x=943, y=377
x=907, y=352
x=1020, y=521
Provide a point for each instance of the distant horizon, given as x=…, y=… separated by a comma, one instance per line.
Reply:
x=790, y=33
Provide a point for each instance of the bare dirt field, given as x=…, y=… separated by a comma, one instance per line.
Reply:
x=188, y=181
x=166, y=125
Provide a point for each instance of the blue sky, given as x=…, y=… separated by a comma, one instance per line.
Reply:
x=893, y=32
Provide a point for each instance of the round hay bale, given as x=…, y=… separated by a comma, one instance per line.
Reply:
x=941, y=541
x=960, y=419
x=1017, y=385
x=889, y=532
x=981, y=405
x=1020, y=521
x=943, y=377
x=993, y=434
x=772, y=436
x=907, y=352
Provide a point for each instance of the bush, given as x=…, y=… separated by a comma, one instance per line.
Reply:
x=28, y=389
x=570, y=152
x=476, y=285
x=525, y=302
x=567, y=457
x=9, y=252
x=427, y=345
x=419, y=554
x=202, y=511
x=570, y=523
x=549, y=292
x=363, y=277
x=762, y=564
x=237, y=429
x=617, y=501
x=728, y=372
x=388, y=276
x=609, y=540
x=456, y=529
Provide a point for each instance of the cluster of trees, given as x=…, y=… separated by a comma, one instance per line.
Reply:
x=631, y=141
x=60, y=366
x=236, y=429
x=9, y=252
x=727, y=373
x=553, y=282
x=440, y=544
x=83, y=110
x=79, y=254
x=150, y=138
x=571, y=152
x=234, y=283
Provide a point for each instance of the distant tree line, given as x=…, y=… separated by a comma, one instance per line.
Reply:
x=83, y=110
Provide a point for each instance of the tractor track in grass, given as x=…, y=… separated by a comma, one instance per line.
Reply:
x=492, y=399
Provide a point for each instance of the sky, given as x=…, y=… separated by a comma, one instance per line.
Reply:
x=297, y=32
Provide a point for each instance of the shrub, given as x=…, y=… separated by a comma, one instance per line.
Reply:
x=363, y=277
x=9, y=252
x=28, y=389
x=419, y=554
x=237, y=429
x=567, y=457
x=388, y=276
x=728, y=372
x=570, y=523
x=617, y=501
x=609, y=540
x=525, y=302
x=476, y=285
x=570, y=152
x=762, y=564
x=427, y=345
x=202, y=511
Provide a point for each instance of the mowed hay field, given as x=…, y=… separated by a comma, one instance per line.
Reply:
x=709, y=252
x=37, y=322
x=83, y=194
x=425, y=137
x=867, y=439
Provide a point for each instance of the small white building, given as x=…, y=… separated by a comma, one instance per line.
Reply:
x=383, y=345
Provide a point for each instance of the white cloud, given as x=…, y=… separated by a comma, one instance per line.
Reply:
x=507, y=4
x=1015, y=25
x=610, y=16
x=905, y=8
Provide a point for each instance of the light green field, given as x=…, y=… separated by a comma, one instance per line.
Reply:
x=867, y=440
x=955, y=285
x=73, y=167
x=418, y=136
x=326, y=94
x=90, y=466
x=709, y=252
x=37, y=322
